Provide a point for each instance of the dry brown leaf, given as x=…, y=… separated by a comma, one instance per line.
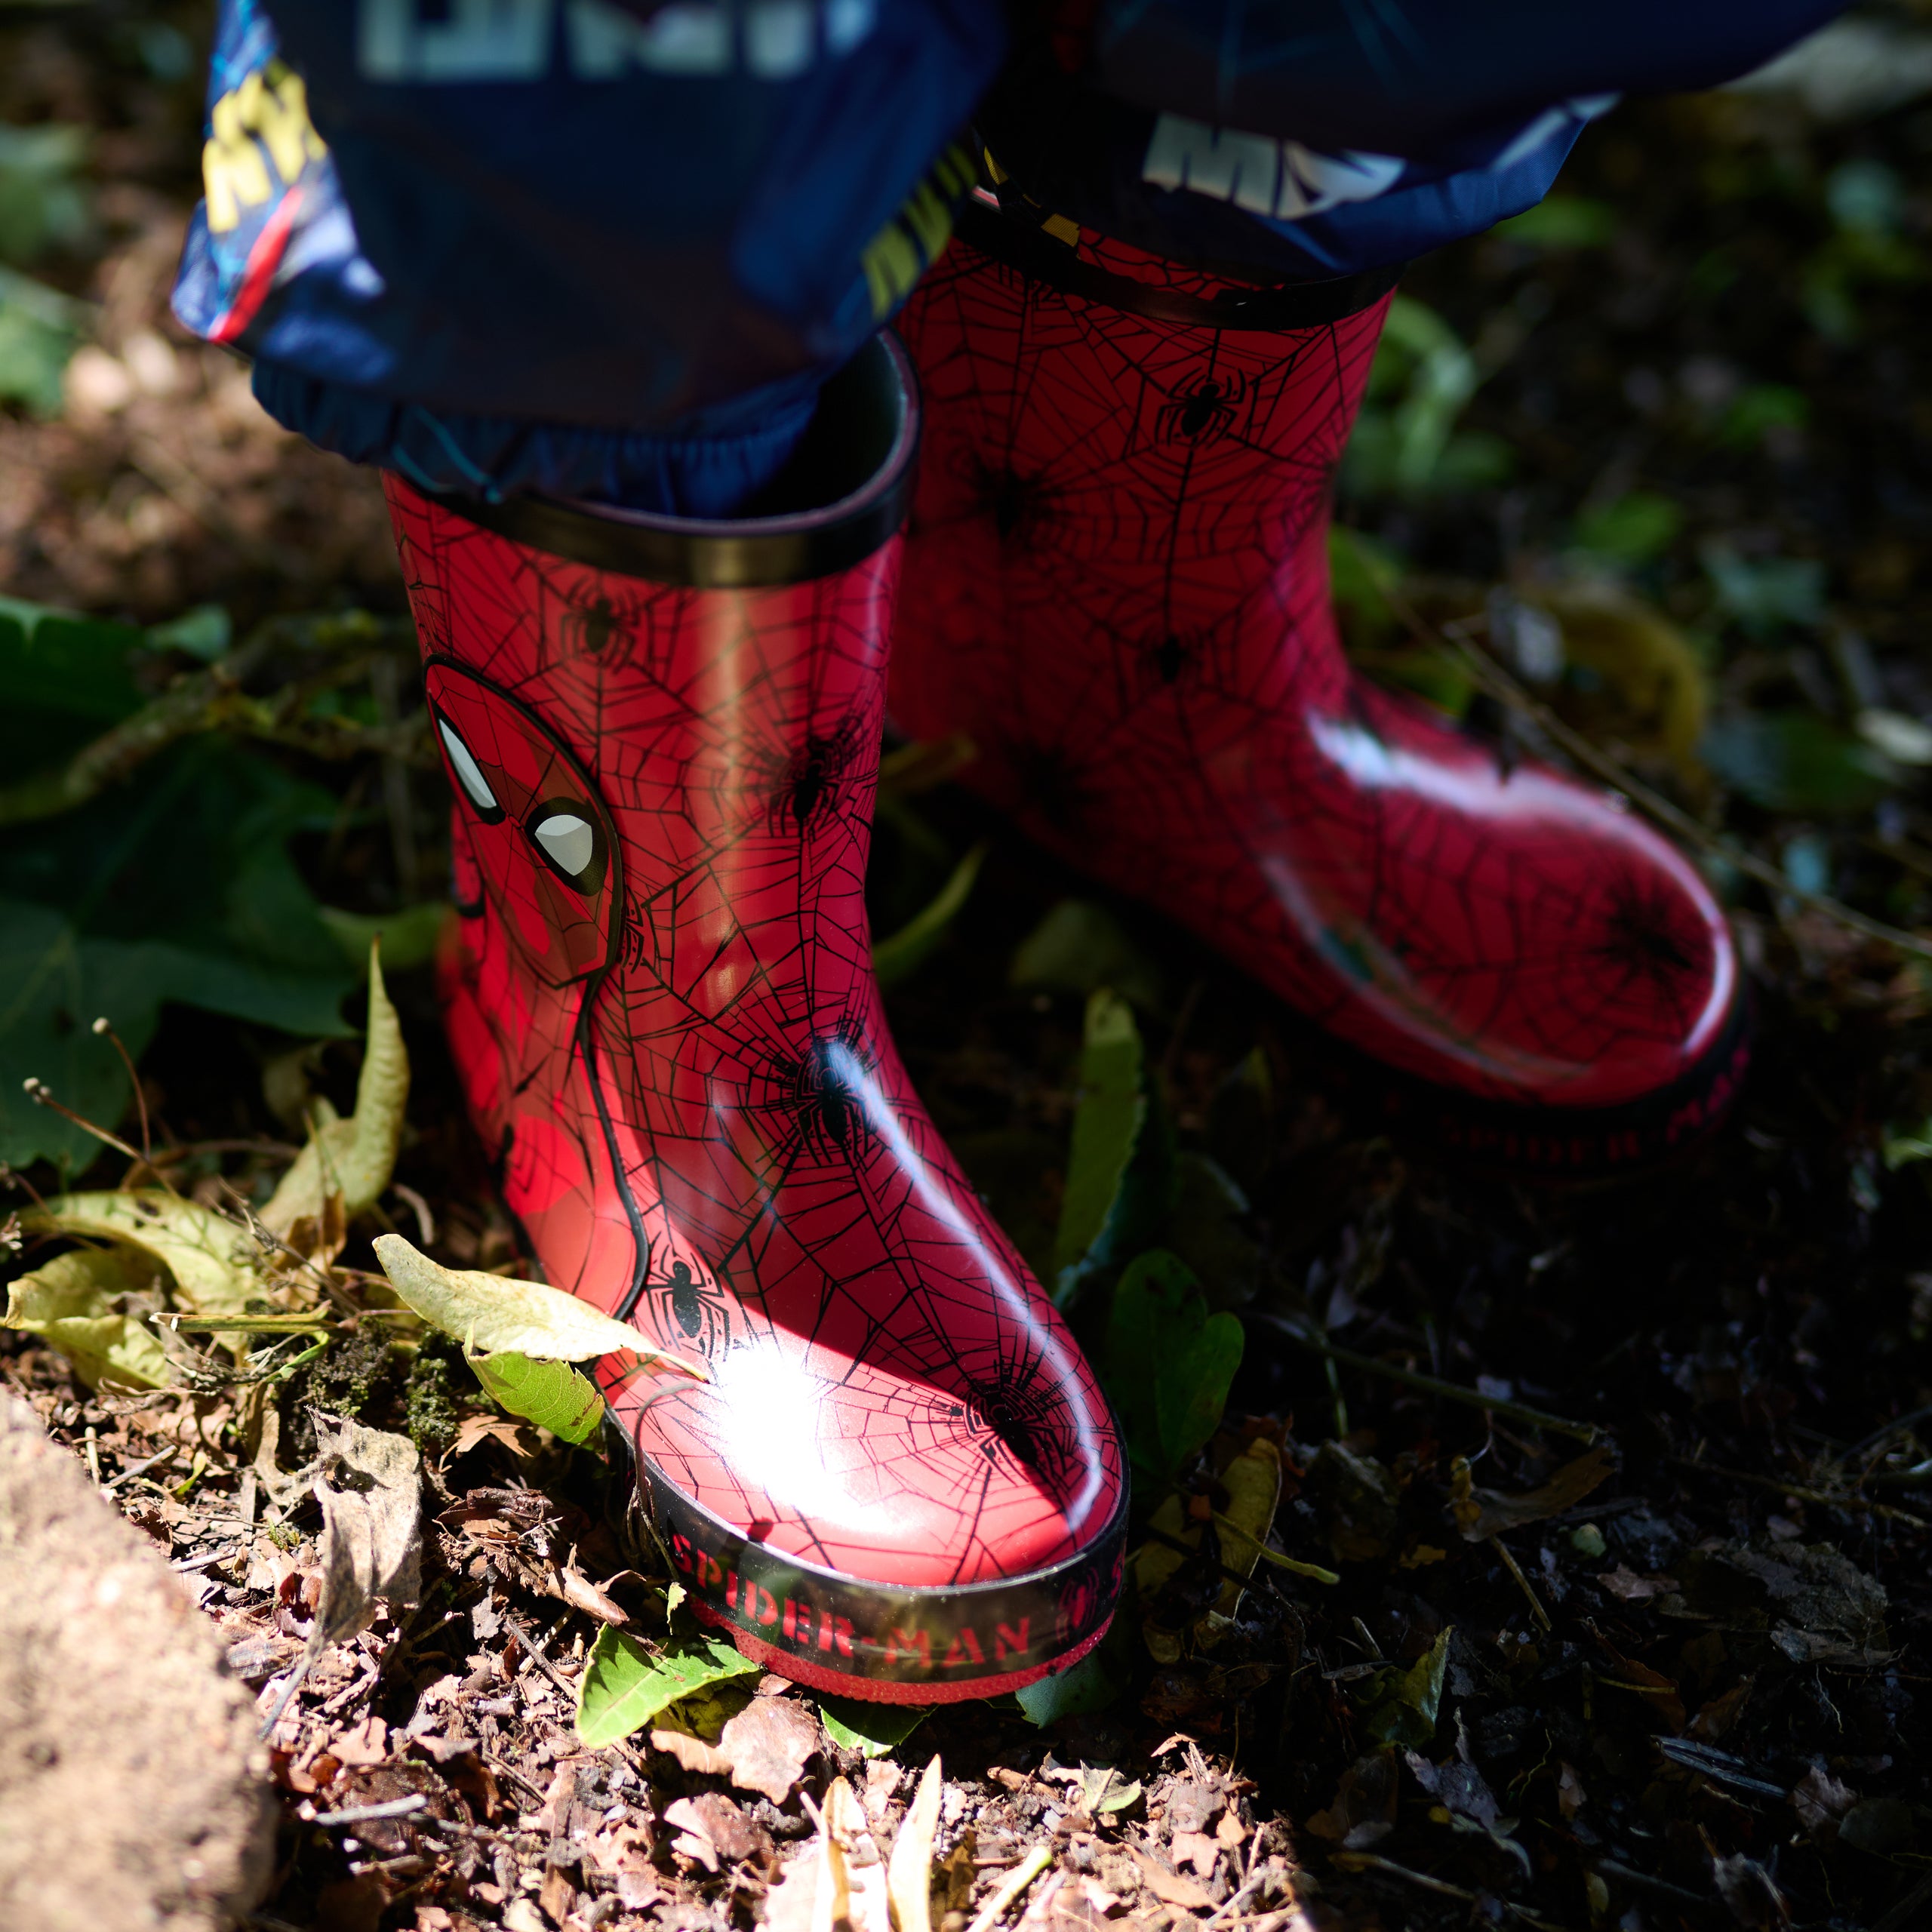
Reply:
x=763, y=1748
x=1819, y=1799
x=363, y=1744
x=790, y=1906
x=517, y=1437
x=1171, y=1887
x=1480, y=1514
x=768, y=1742
x=1624, y=1582
x=370, y=1485
x=908, y=1878
x=692, y=1753
x=1196, y=1849
x=581, y=1594
x=714, y=1830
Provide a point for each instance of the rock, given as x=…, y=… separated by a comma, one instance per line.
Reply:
x=135, y=1793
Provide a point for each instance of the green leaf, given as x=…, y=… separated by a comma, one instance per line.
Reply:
x=1088, y=1686
x=1635, y=529
x=1766, y=594
x=57, y=661
x=552, y=1394
x=1405, y=444
x=43, y=191
x=1756, y=412
x=206, y=632
x=175, y=885
x=69, y=1304
x=899, y=954
x=1903, y=1146
x=623, y=1687
x=1363, y=573
x=409, y=936
x=1080, y=947
x=487, y=1312
x=1120, y=1176
x=33, y=357
x=1795, y=761
x=1562, y=221
x=1210, y=1229
x=1168, y=1363
x=1401, y=1705
x=871, y=1730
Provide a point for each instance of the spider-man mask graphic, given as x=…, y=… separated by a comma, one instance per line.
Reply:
x=535, y=839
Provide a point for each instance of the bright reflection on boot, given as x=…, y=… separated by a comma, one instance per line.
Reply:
x=939, y=1202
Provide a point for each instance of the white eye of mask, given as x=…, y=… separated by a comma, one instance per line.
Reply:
x=469, y=774
x=567, y=840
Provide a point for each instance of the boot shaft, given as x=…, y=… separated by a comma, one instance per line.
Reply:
x=1120, y=464
x=676, y=725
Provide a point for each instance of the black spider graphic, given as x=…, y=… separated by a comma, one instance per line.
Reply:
x=700, y=1310
x=1171, y=658
x=1021, y=507
x=589, y=627
x=1204, y=414
x=1018, y=1410
x=809, y=783
x=1644, y=935
x=820, y=1090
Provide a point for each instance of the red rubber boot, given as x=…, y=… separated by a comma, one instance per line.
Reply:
x=1117, y=585
x=902, y=1481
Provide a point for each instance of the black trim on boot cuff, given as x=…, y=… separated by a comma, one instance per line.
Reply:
x=843, y=494
x=1292, y=304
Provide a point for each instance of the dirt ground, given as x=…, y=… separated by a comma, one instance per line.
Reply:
x=1677, y=1685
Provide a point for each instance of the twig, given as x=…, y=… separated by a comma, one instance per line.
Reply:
x=265, y=1238
x=1010, y=1888
x=41, y=1095
x=510, y=1771
x=1450, y=1392
x=1610, y=1868
x=104, y=1027
x=207, y=1559
x=1822, y=1497
x=296, y=1678
x=137, y=1468
x=537, y=1656
x=366, y=1814
x=1313, y=1571
x=1493, y=678
x=1515, y=1570
x=425, y=1222
x=1186, y=1548
x=1374, y=1861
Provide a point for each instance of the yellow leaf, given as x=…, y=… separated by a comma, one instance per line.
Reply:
x=1253, y=1483
x=352, y=1159
x=215, y=1267
x=486, y=1312
x=69, y=1304
x=1655, y=694
x=909, y=1875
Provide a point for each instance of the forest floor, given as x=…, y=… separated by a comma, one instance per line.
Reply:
x=1670, y=453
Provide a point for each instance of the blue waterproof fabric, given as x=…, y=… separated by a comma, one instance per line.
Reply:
x=610, y=247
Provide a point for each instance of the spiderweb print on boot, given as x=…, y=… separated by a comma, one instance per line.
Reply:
x=1117, y=586
x=902, y=1481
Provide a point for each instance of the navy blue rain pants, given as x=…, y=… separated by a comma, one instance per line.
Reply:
x=611, y=248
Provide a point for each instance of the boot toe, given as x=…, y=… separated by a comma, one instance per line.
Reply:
x=928, y=1531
